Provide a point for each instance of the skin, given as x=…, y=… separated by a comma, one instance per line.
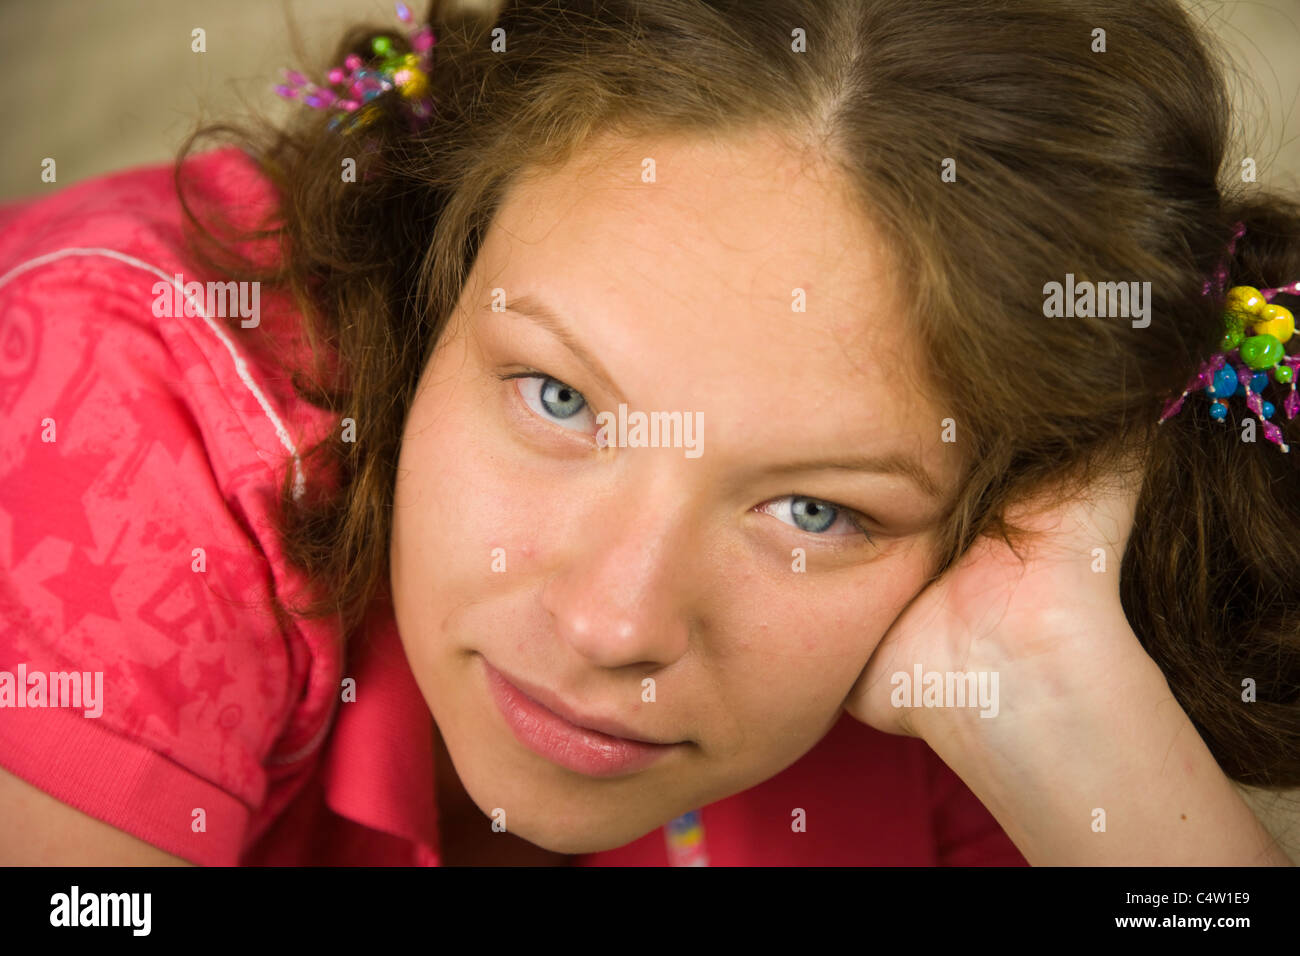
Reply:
x=627, y=563
x=1136, y=785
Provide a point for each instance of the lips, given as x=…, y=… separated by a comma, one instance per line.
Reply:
x=549, y=727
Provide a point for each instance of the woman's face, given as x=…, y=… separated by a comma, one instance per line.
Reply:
x=717, y=595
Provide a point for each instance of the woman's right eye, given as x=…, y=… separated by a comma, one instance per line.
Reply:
x=554, y=401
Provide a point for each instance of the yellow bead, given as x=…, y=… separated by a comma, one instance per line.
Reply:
x=691, y=837
x=1244, y=299
x=361, y=119
x=415, y=85
x=1275, y=320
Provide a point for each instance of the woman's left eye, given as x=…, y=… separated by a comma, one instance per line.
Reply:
x=814, y=516
x=556, y=402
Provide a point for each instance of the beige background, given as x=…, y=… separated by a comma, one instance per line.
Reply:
x=102, y=85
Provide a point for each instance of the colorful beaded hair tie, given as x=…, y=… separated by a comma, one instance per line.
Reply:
x=685, y=838
x=1244, y=361
x=355, y=84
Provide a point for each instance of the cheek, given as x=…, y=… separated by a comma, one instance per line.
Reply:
x=464, y=511
x=793, y=644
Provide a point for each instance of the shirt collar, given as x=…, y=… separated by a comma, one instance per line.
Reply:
x=379, y=770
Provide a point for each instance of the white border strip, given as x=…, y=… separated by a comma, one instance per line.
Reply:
x=241, y=367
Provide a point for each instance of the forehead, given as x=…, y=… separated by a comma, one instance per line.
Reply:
x=714, y=221
x=734, y=276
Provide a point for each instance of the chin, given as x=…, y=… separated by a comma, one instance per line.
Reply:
x=599, y=835
x=573, y=816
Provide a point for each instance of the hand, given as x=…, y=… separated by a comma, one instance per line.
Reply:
x=1073, y=680
x=1052, y=620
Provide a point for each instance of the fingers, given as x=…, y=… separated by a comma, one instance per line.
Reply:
x=1103, y=512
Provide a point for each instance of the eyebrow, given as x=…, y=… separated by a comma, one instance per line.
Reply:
x=539, y=312
x=895, y=463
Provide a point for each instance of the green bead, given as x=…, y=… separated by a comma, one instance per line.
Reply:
x=1234, y=330
x=382, y=45
x=1261, y=351
x=1283, y=373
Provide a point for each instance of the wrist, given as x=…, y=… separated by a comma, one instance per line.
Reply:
x=1099, y=765
x=1063, y=668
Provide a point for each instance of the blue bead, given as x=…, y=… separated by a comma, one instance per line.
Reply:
x=370, y=95
x=1268, y=409
x=1258, y=382
x=1218, y=412
x=1225, y=382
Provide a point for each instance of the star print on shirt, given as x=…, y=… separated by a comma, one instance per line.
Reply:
x=213, y=676
x=43, y=497
x=156, y=697
x=85, y=587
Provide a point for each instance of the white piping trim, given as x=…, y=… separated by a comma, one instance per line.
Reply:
x=241, y=367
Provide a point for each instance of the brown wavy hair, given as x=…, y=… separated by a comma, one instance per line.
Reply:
x=1108, y=165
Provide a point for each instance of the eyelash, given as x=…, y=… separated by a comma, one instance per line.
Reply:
x=855, y=518
x=544, y=377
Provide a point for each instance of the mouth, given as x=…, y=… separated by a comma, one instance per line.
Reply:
x=592, y=747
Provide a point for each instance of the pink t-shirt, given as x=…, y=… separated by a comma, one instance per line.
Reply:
x=142, y=457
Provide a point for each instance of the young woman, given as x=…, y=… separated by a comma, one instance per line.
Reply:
x=652, y=394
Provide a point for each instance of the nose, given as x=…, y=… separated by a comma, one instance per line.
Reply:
x=621, y=597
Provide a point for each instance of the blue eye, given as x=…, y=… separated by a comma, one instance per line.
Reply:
x=814, y=516
x=556, y=401
x=561, y=400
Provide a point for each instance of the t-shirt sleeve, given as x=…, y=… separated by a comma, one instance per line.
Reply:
x=966, y=834
x=143, y=676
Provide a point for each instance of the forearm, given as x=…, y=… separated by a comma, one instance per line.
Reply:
x=1061, y=760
